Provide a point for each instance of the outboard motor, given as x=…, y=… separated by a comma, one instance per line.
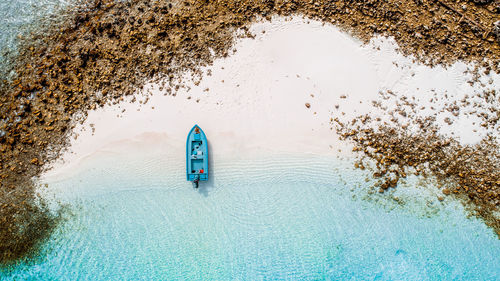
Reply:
x=195, y=181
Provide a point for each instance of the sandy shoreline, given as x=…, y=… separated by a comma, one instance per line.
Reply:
x=277, y=95
x=256, y=100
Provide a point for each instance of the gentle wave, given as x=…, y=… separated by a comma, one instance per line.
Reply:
x=275, y=217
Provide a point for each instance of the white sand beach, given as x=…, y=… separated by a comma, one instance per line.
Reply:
x=255, y=101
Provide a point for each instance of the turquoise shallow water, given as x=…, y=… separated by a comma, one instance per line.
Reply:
x=274, y=218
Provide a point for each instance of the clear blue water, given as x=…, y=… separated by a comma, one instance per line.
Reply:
x=275, y=218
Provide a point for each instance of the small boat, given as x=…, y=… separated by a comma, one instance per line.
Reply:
x=196, y=156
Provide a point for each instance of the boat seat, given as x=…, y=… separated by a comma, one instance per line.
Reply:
x=197, y=137
x=197, y=155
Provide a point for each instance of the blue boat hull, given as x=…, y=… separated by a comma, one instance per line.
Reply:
x=196, y=155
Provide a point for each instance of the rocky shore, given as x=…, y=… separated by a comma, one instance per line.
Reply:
x=105, y=50
x=411, y=144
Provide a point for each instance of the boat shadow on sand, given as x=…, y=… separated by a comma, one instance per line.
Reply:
x=205, y=187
